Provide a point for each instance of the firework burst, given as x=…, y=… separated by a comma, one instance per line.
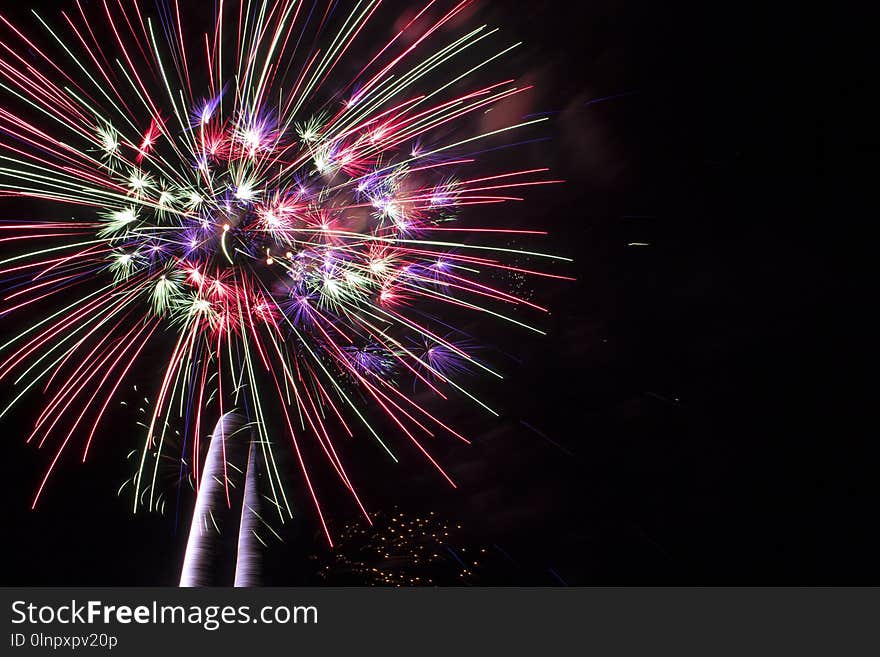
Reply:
x=278, y=213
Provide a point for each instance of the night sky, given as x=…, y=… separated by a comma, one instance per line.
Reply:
x=690, y=418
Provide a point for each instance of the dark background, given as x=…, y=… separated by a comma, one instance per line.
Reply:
x=697, y=398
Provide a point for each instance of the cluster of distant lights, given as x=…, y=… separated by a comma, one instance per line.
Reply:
x=393, y=550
